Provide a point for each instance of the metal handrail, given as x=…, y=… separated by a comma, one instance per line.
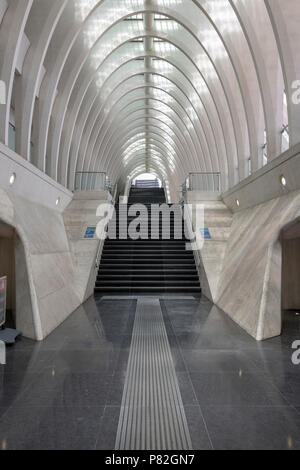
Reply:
x=206, y=182
x=92, y=181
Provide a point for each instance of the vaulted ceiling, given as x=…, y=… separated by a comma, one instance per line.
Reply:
x=165, y=86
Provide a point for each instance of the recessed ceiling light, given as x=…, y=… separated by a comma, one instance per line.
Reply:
x=58, y=201
x=238, y=203
x=283, y=180
x=12, y=179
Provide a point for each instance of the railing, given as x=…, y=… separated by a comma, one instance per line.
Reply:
x=206, y=182
x=88, y=181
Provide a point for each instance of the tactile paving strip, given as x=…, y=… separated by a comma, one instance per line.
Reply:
x=152, y=415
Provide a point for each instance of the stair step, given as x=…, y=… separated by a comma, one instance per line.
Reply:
x=141, y=250
x=172, y=238
x=148, y=254
x=145, y=237
x=153, y=277
x=152, y=290
x=147, y=251
x=147, y=283
x=151, y=242
x=154, y=247
x=115, y=269
x=148, y=262
x=148, y=258
x=148, y=266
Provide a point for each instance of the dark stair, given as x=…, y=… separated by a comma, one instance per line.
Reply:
x=147, y=184
x=152, y=266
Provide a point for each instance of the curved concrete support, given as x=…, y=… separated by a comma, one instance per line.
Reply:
x=249, y=290
x=27, y=312
x=221, y=69
x=11, y=35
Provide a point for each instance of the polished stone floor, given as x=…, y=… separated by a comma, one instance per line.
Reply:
x=66, y=392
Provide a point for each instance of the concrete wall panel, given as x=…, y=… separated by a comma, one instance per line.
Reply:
x=49, y=287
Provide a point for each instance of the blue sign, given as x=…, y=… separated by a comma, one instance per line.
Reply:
x=90, y=233
x=205, y=233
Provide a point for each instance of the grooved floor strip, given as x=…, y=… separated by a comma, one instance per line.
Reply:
x=152, y=414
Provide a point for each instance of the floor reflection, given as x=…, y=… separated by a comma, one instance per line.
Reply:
x=66, y=392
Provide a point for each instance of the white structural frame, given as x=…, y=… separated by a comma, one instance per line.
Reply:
x=197, y=83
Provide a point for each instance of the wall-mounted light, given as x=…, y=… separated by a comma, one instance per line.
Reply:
x=283, y=181
x=238, y=203
x=12, y=179
x=57, y=201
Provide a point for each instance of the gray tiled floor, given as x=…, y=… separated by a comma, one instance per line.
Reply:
x=248, y=392
x=66, y=392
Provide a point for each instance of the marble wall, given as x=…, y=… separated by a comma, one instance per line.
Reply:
x=80, y=214
x=241, y=267
x=250, y=284
x=55, y=267
x=47, y=262
x=242, y=272
x=210, y=258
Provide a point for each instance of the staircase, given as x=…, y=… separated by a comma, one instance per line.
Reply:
x=146, y=184
x=147, y=266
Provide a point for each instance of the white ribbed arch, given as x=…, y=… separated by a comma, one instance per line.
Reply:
x=198, y=108
x=202, y=83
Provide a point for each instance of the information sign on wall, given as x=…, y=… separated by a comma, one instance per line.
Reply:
x=90, y=233
x=205, y=233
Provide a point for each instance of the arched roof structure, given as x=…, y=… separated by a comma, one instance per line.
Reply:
x=133, y=86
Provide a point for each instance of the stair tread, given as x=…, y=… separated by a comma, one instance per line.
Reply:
x=153, y=289
x=146, y=283
x=147, y=277
x=147, y=265
x=145, y=273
